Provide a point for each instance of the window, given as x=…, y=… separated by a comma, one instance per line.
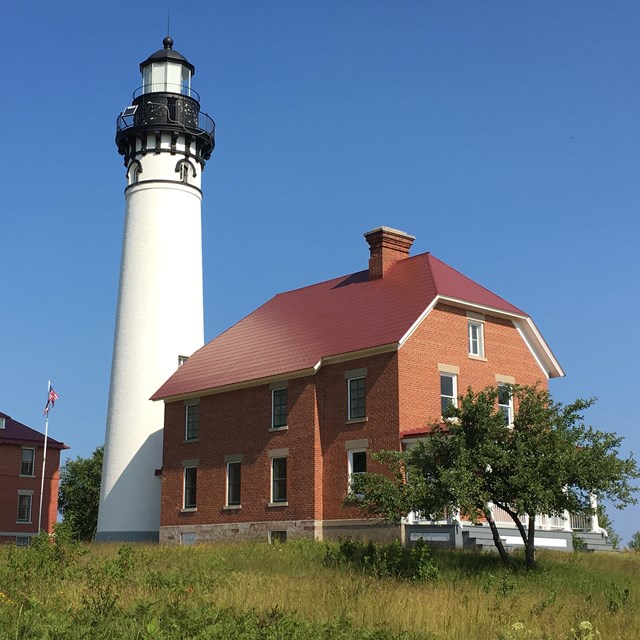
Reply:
x=448, y=391
x=505, y=403
x=278, y=480
x=476, y=338
x=2, y=422
x=357, y=407
x=277, y=536
x=233, y=484
x=191, y=431
x=28, y=459
x=279, y=408
x=24, y=507
x=357, y=463
x=135, y=169
x=189, y=493
x=22, y=541
x=182, y=360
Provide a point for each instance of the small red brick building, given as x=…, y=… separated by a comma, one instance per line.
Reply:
x=21, y=451
x=266, y=423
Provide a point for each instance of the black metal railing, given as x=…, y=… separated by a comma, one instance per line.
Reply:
x=174, y=115
x=166, y=87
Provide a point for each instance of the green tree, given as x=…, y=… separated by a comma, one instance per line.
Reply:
x=634, y=543
x=79, y=495
x=546, y=462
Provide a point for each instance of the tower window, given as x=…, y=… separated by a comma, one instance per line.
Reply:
x=133, y=175
x=185, y=170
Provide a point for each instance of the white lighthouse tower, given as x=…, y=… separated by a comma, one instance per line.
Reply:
x=165, y=140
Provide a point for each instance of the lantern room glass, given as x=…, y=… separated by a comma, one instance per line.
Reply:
x=166, y=77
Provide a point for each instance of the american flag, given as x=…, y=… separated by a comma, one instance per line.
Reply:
x=51, y=400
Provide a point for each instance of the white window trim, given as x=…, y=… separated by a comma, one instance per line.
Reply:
x=509, y=406
x=479, y=324
x=279, y=503
x=184, y=488
x=351, y=418
x=454, y=377
x=350, y=472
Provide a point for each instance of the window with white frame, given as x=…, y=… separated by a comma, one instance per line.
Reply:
x=24, y=507
x=28, y=460
x=448, y=391
x=189, y=493
x=192, y=418
x=233, y=484
x=476, y=338
x=278, y=480
x=279, y=408
x=505, y=403
x=357, y=399
x=357, y=463
x=22, y=541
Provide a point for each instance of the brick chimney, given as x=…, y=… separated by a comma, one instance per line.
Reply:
x=387, y=246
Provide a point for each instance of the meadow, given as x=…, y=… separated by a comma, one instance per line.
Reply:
x=306, y=590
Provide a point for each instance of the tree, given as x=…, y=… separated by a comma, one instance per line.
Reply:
x=547, y=462
x=634, y=543
x=79, y=494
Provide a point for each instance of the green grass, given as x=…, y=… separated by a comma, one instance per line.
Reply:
x=298, y=590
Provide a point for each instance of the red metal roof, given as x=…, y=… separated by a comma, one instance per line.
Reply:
x=293, y=331
x=15, y=432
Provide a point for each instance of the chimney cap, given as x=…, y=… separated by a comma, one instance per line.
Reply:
x=389, y=230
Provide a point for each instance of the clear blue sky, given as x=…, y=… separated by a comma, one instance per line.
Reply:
x=504, y=135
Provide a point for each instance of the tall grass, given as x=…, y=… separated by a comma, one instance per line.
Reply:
x=298, y=590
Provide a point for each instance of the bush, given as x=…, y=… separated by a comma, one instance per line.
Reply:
x=384, y=560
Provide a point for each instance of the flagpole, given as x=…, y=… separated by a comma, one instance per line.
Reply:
x=44, y=460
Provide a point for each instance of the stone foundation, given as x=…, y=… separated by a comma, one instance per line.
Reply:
x=241, y=532
x=371, y=529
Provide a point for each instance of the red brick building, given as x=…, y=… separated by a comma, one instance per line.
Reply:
x=21, y=451
x=266, y=423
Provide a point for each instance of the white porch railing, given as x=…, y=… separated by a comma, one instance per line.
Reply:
x=543, y=522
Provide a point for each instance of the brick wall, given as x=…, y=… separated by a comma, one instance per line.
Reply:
x=11, y=482
x=442, y=339
x=239, y=422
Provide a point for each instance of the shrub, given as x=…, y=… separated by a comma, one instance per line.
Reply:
x=384, y=560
